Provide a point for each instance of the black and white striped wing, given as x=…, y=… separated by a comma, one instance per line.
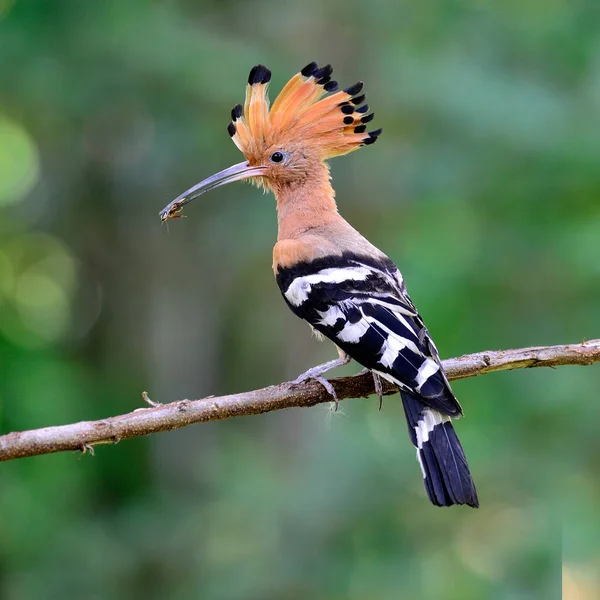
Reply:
x=361, y=305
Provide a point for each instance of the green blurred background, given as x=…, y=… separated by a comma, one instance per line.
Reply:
x=484, y=188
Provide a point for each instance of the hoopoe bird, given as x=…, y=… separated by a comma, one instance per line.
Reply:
x=328, y=273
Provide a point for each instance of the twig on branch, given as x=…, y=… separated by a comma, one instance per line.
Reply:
x=85, y=435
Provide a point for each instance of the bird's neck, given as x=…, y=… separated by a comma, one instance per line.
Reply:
x=310, y=226
x=304, y=206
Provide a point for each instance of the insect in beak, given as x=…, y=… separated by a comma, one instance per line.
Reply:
x=235, y=173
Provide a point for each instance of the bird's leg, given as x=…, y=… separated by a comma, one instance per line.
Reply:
x=377, y=383
x=316, y=372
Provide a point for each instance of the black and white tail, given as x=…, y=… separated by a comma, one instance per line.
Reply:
x=446, y=473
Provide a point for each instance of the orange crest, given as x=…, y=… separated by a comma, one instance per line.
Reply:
x=333, y=125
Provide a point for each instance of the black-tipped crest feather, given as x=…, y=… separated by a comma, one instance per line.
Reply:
x=236, y=112
x=354, y=89
x=310, y=69
x=259, y=74
x=323, y=72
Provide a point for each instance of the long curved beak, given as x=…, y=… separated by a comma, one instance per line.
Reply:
x=235, y=173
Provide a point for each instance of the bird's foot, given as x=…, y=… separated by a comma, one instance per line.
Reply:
x=325, y=383
x=377, y=383
x=316, y=372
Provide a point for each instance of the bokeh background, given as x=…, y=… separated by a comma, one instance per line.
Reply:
x=484, y=188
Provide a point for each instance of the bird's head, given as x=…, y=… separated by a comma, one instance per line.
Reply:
x=284, y=143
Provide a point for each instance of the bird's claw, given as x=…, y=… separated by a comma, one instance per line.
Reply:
x=378, y=388
x=316, y=373
x=377, y=383
x=324, y=382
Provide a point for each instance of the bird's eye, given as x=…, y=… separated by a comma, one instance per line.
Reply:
x=277, y=157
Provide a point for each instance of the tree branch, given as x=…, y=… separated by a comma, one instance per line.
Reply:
x=85, y=435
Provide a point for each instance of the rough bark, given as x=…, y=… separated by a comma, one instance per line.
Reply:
x=83, y=436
